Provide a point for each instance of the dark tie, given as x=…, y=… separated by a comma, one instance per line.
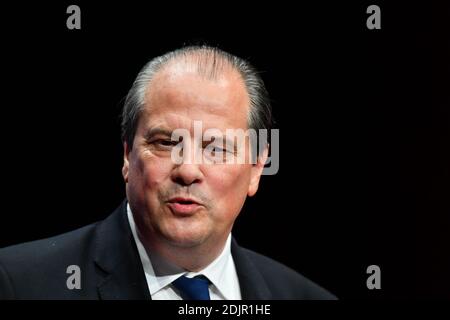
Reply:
x=193, y=288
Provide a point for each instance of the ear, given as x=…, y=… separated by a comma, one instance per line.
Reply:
x=126, y=163
x=256, y=172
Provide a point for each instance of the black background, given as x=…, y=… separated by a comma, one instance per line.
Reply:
x=363, y=118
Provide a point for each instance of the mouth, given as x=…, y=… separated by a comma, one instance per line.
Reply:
x=183, y=206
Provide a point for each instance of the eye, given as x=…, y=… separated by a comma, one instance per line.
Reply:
x=167, y=143
x=218, y=149
x=163, y=144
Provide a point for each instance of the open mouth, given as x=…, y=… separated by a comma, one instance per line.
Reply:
x=183, y=200
x=183, y=206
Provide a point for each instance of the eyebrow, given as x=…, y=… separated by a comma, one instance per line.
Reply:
x=151, y=132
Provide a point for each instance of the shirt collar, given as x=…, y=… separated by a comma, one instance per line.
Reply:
x=161, y=273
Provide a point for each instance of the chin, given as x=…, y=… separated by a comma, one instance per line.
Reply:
x=186, y=239
x=184, y=232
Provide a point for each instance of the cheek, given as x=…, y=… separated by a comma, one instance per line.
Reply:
x=230, y=184
x=148, y=172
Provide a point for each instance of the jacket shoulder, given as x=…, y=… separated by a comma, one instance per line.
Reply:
x=284, y=282
x=28, y=267
x=43, y=249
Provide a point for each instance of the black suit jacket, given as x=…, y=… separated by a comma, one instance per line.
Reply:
x=111, y=268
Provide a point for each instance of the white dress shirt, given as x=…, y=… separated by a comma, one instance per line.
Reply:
x=160, y=273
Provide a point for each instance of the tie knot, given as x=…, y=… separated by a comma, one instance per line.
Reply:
x=195, y=288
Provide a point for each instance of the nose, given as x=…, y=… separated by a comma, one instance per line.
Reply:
x=187, y=174
x=188, y=171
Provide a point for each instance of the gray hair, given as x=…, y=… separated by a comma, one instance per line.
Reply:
x=210, y=61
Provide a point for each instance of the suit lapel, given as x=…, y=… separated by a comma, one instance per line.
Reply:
x=253, y=286
x=120, y=272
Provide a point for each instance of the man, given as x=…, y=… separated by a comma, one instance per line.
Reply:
x=171, y=237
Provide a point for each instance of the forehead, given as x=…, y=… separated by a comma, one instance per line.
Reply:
x=178, y=95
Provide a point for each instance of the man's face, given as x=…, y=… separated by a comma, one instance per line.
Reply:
x=188, y=204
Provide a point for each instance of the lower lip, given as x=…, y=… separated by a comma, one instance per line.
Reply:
x=185, y=209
